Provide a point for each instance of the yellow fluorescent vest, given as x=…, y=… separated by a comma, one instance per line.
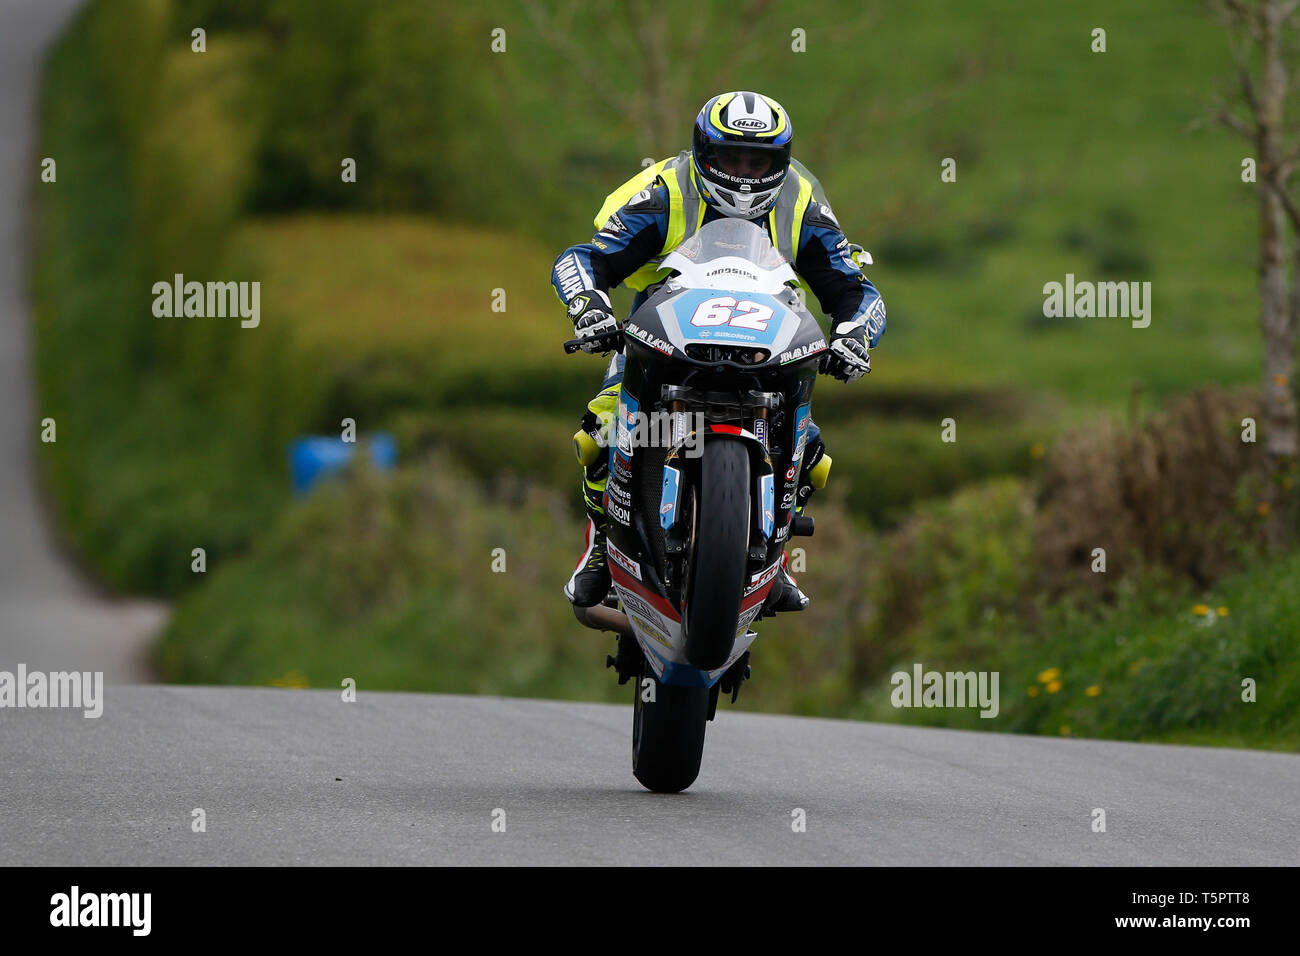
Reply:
x=686, y=210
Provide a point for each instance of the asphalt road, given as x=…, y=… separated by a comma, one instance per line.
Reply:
x=301, y=777
x=51, y=618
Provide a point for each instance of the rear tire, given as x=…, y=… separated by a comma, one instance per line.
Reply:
x=720, y=554
x=668, y=734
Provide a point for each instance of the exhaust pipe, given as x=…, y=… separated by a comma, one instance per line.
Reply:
x=602, y=618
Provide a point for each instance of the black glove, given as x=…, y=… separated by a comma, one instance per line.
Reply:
x=594, y=322
x=849, y=358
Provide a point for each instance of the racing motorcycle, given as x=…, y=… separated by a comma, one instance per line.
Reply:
x=724, y=354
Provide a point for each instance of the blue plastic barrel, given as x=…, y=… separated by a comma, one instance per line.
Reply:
x=314, y=457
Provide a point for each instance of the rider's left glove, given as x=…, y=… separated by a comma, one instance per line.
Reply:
x=849, y=358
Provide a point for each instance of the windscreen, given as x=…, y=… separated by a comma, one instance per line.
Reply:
x=730, y=254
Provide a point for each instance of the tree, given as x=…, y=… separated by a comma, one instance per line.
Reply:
x=1264, y=34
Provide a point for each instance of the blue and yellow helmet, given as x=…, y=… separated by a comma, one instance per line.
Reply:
x=741, y=152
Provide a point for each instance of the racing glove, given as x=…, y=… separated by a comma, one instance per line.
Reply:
x=848, y=359
x=593, y=321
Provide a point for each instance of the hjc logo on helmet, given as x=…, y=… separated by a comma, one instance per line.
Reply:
x=749, y=123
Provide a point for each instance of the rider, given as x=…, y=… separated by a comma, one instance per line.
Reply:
x=740, y=166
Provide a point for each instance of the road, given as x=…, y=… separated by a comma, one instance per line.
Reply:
x=51, y=617
x=302, y=777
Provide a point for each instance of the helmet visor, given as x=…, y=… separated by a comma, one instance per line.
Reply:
x=743, y=164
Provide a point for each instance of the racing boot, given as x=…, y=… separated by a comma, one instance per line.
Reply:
x=590, y=582
x=785, y=595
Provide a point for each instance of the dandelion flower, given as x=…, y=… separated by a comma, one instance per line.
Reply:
x=1033, y=692
x=1065, y=730
x=1223, y=611
x=1201, y=610
x=1094, y=690
x=1049, y=675
x=1054, y=686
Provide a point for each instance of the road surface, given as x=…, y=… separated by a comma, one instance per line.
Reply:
x=302, y=777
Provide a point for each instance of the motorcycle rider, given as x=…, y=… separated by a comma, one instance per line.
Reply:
x=739, y=165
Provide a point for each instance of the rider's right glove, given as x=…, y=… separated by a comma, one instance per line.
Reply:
x=848, y=359
x=593, y=321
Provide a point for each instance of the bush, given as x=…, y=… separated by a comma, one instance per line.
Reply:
x=1179, y=492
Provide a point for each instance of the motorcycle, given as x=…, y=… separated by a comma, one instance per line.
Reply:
x=724, y=354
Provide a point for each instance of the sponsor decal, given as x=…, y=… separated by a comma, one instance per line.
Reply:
x=791, y=472
x=765, y=505
x=619, y=513
x=730, y=271
x=803, y=351
x=760, y=431
x=626, y=422
x=875, y=317
x=573, y=279
x=644, y=614
x=668, y=497
x=648, y=629
x=649, y=338
x=746, y=619
x=784, y=532
x=762, y=577
x=787, y=500
x=622, y=560
x=619, y=493
x=613, y=227
x=747, y=122
x=622, y=468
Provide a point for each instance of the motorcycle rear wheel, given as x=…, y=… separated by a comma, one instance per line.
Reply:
x=667, y=733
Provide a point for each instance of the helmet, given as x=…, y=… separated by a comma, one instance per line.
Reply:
x=741, y=152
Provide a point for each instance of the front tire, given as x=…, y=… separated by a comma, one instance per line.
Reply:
x=720, y=554
x=667, y=734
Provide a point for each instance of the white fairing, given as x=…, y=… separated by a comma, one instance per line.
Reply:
x=730, y=254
